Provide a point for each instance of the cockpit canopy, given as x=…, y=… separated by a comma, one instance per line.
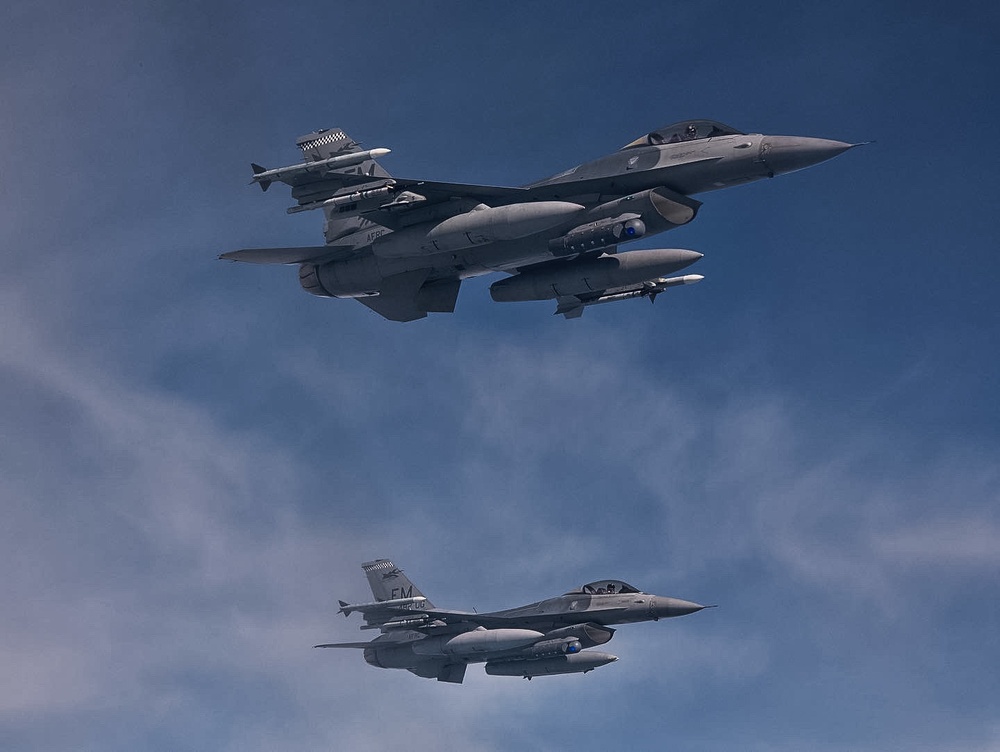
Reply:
x=605, y=587
x=688, y=130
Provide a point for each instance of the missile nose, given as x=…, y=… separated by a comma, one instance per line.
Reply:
x=789, y=153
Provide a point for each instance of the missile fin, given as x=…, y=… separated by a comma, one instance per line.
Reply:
x=569, y=306
x=257, y=170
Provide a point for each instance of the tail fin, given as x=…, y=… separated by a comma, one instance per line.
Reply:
x=389, y=583
x=333, y=142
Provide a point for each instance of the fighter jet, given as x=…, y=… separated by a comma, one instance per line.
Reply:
x=541, y=639
x=402, y=247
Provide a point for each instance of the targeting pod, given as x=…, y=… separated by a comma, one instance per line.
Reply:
x=600, y=234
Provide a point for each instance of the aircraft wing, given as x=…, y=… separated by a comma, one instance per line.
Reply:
x=314, y=189
x=310, y=185
x=438, y=191
x=515, y=618
x=359, y=645
x=386, y=201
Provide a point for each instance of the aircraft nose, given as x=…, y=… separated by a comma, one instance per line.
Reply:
x=664, y=608
x=789, y=153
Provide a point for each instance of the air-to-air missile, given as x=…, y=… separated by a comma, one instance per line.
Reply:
x=264, y=177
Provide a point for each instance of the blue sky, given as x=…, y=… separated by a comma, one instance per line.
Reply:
x=197, y=455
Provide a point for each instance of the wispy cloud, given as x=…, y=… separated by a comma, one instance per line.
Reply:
x=196, y=456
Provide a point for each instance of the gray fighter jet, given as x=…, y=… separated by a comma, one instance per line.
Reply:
x=540, y=639
x=402, y=247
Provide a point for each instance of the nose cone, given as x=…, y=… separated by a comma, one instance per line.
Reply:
x=789, y=153
x=664, y=608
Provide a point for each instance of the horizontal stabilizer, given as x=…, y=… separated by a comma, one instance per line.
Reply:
x=344, y=645
x=290, y=255
x=398, y=298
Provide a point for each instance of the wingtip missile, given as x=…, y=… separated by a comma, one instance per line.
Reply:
x=395, y=603
x=265, y=177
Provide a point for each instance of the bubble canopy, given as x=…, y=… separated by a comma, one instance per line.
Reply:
x=605, y=587
x=688, y=130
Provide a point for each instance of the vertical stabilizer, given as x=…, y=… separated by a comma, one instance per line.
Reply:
x=388, y=582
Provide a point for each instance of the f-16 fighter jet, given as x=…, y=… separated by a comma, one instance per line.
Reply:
x=402, y=247
x=545, y=638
